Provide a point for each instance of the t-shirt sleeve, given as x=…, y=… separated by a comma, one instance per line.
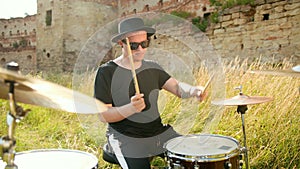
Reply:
x=102, y=90
x=163, y=76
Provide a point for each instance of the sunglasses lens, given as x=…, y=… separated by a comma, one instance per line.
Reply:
x=134, y=45
x=145, y=44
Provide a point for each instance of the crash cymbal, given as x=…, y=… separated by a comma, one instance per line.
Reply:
x=46, y=94
x=294, y=72
x=242, y=99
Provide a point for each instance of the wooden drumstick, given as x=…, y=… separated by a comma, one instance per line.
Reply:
x=206, y=85
x=136, y=85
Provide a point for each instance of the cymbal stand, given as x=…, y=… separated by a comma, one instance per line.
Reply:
x=15, y=115
x=242, y=110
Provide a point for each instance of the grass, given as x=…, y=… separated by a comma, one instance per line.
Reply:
x=272, y=128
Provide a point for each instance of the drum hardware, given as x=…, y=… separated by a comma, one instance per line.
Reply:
x=241, y=162
x=15, y=115
x=7, y=143
x=227, y=165
x=242, y=110
x=241, y=101
x=177, y=165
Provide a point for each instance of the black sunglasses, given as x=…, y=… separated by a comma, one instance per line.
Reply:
x=135, y=45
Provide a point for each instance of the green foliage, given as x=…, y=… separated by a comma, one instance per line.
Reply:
x=200, y=23
x=231, y=3
x=214, y=17
x=181, y=14
x=245, y=2
x=215, y=3
x=15, y=45
x=196, y=20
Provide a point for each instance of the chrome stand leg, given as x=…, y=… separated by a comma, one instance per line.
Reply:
x=7, y=143
x=242, y=110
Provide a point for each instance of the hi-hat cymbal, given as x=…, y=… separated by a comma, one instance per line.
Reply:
x=294, y=72
x=46, y=94
x=241, y=100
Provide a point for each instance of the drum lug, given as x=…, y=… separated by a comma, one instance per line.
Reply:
x=227, y=165
x=174, y=165
x=241, y=162
x=177, y=166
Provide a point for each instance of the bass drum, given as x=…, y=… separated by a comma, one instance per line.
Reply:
x=204, y=151
x=54, y=159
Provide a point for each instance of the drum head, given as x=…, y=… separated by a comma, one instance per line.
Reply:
x=203, y=147
x=55, y=159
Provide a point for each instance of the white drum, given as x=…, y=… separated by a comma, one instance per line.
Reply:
x=203, y=151
x=54, y=159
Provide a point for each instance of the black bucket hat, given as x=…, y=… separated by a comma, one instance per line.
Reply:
x=129, y=25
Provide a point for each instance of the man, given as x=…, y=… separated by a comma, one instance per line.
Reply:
x=135, y=131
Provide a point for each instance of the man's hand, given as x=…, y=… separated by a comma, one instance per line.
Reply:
x=199, y=92
x=138, y=103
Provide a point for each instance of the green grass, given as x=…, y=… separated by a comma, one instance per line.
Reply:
x=272, y=128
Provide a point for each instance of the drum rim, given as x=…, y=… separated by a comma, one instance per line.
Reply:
x=92, y=156
x=204, y=158
x=209, y=158
x=58, y=150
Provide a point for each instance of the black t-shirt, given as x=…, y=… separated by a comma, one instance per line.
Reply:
x=114, y=85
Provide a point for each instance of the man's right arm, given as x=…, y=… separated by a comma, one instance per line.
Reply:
x=115, y=114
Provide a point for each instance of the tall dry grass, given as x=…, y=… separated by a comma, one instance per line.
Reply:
x=273, y=137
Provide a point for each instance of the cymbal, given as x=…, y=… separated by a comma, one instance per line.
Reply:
x=241, y=100
x=294, y=72
x=46, y=94
x=296, y=68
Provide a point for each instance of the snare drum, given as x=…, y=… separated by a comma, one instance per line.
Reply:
x=204, y=151
x=54, y=159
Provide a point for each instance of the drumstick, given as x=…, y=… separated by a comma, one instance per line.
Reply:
x=136, y=85
x=206, y=85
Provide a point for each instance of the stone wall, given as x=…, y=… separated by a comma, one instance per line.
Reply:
x=18, y=42
x=49, y=37
x=81, y=21
x=26, y=57
x=195, y=7
x=270, y=31
x=73, y=22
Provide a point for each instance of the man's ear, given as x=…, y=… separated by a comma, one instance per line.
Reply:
x=120, y=43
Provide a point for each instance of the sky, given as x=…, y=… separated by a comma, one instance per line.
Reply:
x=17, y=8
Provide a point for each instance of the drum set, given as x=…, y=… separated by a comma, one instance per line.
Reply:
x=199, y=151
